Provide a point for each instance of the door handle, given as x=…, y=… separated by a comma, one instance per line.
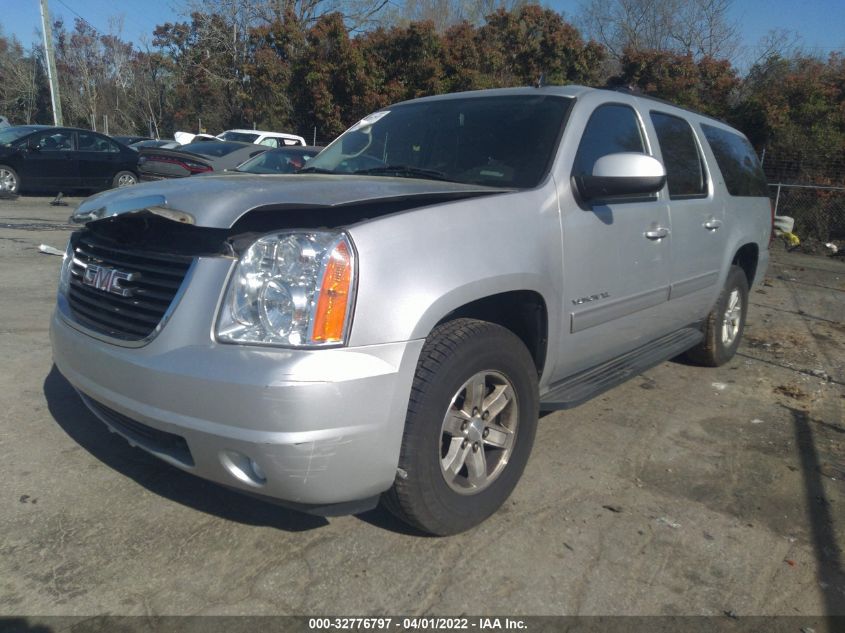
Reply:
x=657, y=233
x=712, y=224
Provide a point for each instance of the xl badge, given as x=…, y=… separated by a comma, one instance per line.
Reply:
x=108, y=280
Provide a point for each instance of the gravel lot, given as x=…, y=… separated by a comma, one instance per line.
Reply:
x=684, y=491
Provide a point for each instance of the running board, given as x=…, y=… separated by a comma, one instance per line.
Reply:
x=591, y=382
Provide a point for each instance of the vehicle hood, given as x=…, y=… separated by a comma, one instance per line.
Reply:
x=219, y=200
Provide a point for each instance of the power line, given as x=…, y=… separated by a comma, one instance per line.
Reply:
x=98, y=31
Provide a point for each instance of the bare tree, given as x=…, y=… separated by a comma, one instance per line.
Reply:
x=242, y=14
x=701, y=28
x=18, y=79
x=446, y=13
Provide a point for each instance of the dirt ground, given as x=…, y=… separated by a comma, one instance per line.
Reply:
x=685, y=491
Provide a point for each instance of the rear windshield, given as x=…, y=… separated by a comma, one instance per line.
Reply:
x=737, y=162
x=240, y=137
x=204, y=148
x=501, y=141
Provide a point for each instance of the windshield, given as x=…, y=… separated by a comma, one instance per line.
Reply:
x=12, y=134
x=204, y=148
x=505, y=141
x=240, y=137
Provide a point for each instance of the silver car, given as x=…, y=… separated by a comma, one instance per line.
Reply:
x=387, y=324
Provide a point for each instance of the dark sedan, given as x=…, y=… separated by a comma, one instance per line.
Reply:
x=285, y=160
x=56, y=158
x=164, y=144
x=129, y=140
x=194, y=158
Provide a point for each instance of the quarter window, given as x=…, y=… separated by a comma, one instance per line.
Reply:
x=737, y=161
x=684, y=171
x=612, y=128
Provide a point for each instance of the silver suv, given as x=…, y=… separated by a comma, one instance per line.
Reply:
x=388, y=323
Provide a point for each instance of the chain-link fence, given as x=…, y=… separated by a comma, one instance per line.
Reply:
x=819, y=211
x=809, y=187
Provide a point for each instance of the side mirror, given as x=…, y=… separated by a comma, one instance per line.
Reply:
x=623, y=174
x=32, y=145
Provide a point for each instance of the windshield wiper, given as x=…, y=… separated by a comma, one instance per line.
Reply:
x=406, y=170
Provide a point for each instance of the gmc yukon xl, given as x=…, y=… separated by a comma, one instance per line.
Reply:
x=387, y=324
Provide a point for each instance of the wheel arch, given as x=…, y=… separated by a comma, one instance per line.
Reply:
x=747, y=257
x=523, y=312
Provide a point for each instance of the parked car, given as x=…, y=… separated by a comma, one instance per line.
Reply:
x=59, y=158
x=261, y=137
x=387, y=323
x=195, y=158
x=162, y=143
x=129, y=140
x=285, y=160
x=186, y=138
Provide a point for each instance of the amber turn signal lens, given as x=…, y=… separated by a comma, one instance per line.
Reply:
x=330, y=316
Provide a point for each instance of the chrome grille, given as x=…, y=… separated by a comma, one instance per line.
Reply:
x=153, y=282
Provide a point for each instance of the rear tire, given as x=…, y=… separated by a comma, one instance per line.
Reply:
x=725, y=323
x=469, y=429
x=124, y=179
x=9, y=181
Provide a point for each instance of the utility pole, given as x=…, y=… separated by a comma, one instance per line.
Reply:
x=51, y=63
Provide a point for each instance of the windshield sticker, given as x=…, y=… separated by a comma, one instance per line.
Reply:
x=370, y=119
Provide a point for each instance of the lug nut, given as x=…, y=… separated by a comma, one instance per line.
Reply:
x=475, y=447
x=485, y=415
x=464, y=443
x=485, y=433
x=464, y=426
x=474, y=412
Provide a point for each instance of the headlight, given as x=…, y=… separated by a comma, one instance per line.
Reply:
x=291, y=289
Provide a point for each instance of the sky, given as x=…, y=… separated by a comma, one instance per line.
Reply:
x=820, y=23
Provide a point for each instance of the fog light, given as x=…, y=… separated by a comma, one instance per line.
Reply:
x=259, y=474
x=243, y=468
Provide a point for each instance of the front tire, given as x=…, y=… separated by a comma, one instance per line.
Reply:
x=9, y=181
x=725, y=324
x=469, y=430
x=124, y=179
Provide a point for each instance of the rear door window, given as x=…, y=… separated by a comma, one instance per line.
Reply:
x=681, y=158
x=89, y=142
x=737, y=161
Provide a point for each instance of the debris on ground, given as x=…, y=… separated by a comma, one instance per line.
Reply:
x=756, y=421
x=613, y=508
x=791, y=391
x=50, y=250
x=720, y=386
x=57, y=201
x=669, y=522
x=820, y=373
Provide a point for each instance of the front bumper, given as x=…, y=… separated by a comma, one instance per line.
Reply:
x=313, y=427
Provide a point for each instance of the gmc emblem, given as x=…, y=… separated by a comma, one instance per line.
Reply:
x=108, y=280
